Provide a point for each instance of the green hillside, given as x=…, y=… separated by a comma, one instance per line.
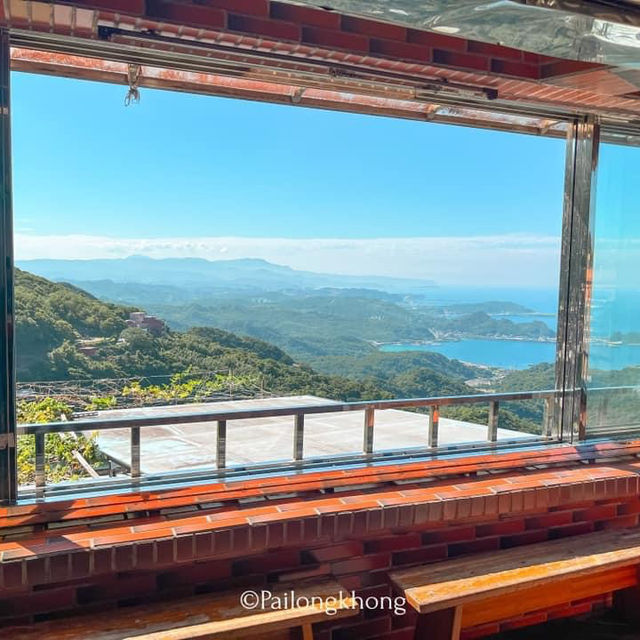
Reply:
x=51, y=318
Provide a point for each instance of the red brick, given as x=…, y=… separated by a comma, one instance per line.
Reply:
x=305, y=573
x=80, y=565
x=43, y=601
x=258, y=8
x=518, y=69
x=528, y=537
x=195, y=574
x=366, y=563
x=453, y=534
x=436, y=40
x=11, y=575
x=494, y=51
x=111, y=588
x=338, y=551
x=630, y=507
x=460, y=60
x=546, y=520
x=123, y=557
x=480, y=631
x=569, y=611
x=36, y=571
x=424, y=554
x=474, y=546
x=600, y=512
x=130, y=7
x=165, y=552
x=621, y=522
x=280, y=560
x=335, y=39
x=305, y=15
x=196, y=15
x=575, y=529
x=394, y=543
x=222, y=541
x=504, y=527
x=394, y=49
x=145, y=555
x=374, y=29
x=531, y=58
x=266, y=28
x=101, y=561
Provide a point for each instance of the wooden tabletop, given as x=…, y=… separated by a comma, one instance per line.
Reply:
x=206, y=616
x=453, y=582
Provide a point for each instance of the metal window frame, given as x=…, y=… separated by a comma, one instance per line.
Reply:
x=569, y=416
x=576, y=275
x=8, y=444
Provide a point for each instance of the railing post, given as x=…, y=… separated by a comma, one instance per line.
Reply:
x=298, y=437
x=221, y=445
x=548, y=417
x=603, y=411
x=367, y=441
x=492, y=425
x=434, y=421
x=40, y=464
x=135, y=452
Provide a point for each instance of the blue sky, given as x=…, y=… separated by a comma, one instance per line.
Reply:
x=161, y=176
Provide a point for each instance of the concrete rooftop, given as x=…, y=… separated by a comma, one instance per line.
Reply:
x=271, y=439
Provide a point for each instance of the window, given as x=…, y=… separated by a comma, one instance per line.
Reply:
x=259, y=288
x=614, y=341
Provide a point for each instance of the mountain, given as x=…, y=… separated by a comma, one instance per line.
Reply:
x=209, y=276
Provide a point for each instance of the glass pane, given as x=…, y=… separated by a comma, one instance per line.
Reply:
x=263, y=257
x=614, y=345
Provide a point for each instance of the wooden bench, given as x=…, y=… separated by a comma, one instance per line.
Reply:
x=490, y=587
x=199, y=617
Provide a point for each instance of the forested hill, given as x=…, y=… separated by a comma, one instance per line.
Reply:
x=53, y=320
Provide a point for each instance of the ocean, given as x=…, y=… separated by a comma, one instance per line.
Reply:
x=515, y=354
x=609, y=314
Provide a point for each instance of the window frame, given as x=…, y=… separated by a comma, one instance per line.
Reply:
x=582, y=141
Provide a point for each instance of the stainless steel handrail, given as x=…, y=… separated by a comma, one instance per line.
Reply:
x=221, y=418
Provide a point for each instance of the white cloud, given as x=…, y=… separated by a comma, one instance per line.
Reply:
x=501, y=260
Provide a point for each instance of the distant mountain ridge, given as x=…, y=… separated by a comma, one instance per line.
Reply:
x=246, y=274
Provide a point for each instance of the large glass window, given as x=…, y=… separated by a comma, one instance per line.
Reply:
x=192, y=253
x=613, y=400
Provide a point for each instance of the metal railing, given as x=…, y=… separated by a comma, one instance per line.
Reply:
x=299, y=413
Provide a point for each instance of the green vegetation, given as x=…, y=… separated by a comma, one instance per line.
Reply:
x=50, y=316
x=60, y=452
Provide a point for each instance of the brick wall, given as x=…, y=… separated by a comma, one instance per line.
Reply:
x=356, y=538
x=306, y=26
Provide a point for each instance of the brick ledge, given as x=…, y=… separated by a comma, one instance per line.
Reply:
x=224, y=532
x=16, y=519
